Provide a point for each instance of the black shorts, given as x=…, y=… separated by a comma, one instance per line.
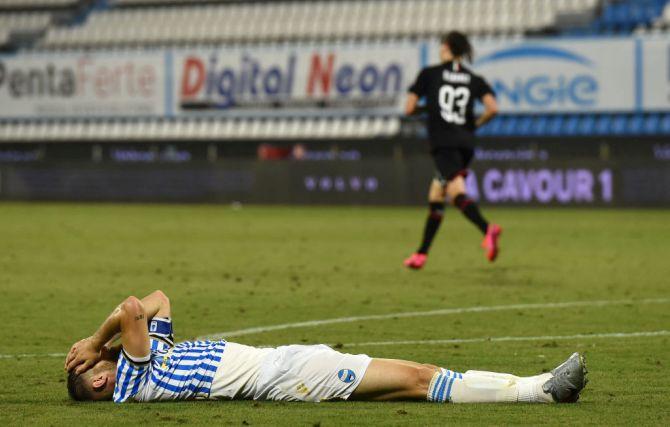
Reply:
x=451, y=162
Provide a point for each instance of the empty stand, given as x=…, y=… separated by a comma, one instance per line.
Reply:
x=24, y=21
x=27, y=4
x=308, y=20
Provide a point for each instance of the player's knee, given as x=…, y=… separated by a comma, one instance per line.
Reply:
x=437, y=210
x=421, y=378
x=461, y=201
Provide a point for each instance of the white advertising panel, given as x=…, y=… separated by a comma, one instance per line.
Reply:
x=559, y=76
x=369, y=77
x=656, y=82
x=82, y=85
x=538, y=76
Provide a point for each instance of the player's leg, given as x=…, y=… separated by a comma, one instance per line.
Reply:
x=457, y=194
x=400, y=380
x=387, y=379
x=456, y=190
x=436, y=202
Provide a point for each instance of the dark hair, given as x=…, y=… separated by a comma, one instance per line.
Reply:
x=459, y=45
x=76, y=387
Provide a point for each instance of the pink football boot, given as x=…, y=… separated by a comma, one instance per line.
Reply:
x=416, y=261
x=490, y=243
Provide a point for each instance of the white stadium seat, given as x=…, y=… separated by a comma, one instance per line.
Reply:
x=306, y=20
x=211, y=129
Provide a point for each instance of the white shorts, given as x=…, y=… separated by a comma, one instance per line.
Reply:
x=237, y=374
x=309, y=374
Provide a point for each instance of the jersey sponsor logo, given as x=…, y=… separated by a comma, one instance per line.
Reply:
x=346, y=376
x=535, y=83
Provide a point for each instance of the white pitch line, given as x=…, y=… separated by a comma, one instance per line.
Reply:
x=31, y=355
x=441, y=312
x=507, y=339
x=445, y=341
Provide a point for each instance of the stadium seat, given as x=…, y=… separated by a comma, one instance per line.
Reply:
x=603, y=125
x=493, y=128
x=555, y=125
x=306, y=20
x=524, y=125
x=635, y=124
x=508, y=128
x=586, y=125
x=570, y=127
x=619, y=123
x=539, y=126
x=652, y=124
x=665, y=124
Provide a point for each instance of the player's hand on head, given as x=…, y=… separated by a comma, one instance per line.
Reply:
x=82, y=356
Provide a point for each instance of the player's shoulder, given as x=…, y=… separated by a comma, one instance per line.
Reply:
x=433, y=69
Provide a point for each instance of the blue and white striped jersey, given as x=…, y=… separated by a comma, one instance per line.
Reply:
x=181, y=372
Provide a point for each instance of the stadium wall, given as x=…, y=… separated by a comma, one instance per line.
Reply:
x=573, y=172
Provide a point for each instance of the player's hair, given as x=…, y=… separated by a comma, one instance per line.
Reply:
x=459, y=44
x=76, y=387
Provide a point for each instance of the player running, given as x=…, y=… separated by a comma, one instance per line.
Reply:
x=450, y=90
x=148, y=367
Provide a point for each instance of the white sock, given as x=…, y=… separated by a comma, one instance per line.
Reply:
x=530, y=389
x=487, y=387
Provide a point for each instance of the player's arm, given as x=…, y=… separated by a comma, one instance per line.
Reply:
x=156, y=302
x=129, y=320
x=411, y=103
x=490, y=110
x=416, y=91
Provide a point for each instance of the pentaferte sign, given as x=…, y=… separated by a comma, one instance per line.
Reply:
x=82, y=85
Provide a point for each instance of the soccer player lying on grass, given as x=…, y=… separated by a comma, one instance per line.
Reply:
x=147, y=366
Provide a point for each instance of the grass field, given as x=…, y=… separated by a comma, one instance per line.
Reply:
x=63, y=268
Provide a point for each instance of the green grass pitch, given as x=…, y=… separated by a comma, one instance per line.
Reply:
x=63, y=268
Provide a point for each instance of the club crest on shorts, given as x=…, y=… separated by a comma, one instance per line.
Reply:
x=346, y=376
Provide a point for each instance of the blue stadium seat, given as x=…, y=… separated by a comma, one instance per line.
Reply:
x=651, y=124
x=586, y=125
x=524, y=125
x=555, y=126
x=570, y=126
x=603, y=125
x=539, y=126
x=508, y=128
x=665, y=124
x=635, y=124
x=619, y=125
x=493, y=128
x=623, y=16
x=485, y=130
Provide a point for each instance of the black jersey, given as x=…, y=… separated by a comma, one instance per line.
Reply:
x=450, y=90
